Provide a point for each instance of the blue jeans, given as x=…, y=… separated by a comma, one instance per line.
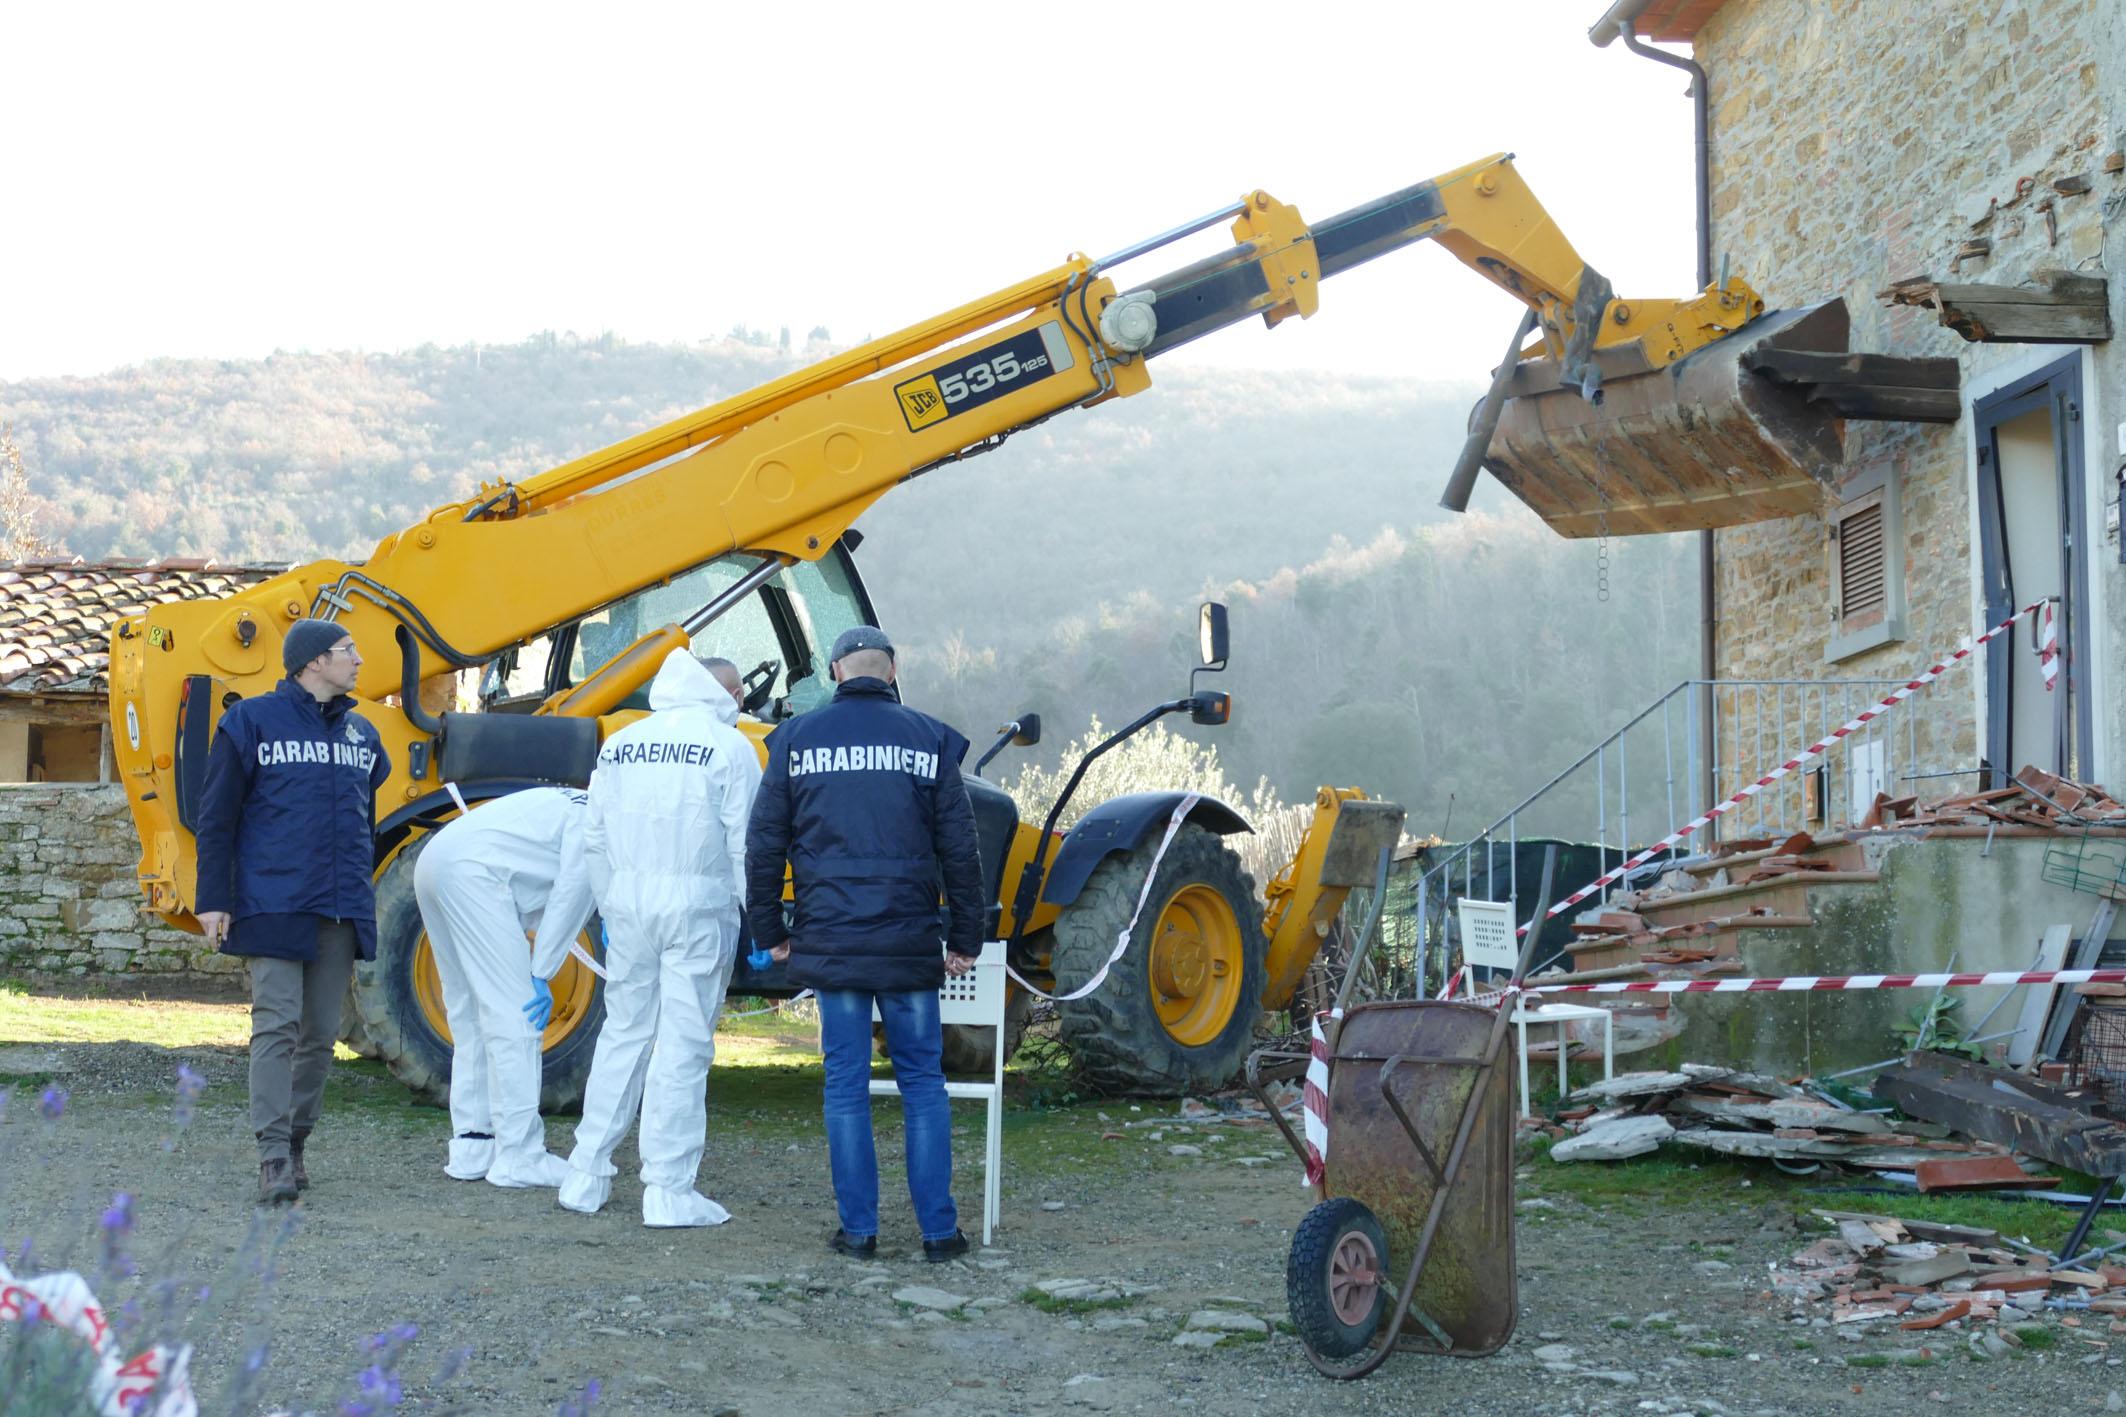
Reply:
x=915, y=1043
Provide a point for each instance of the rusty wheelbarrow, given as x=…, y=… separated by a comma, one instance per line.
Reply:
x=1418, y=1173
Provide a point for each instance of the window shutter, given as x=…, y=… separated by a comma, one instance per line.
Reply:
x=1867, y=566
x=1863, y=569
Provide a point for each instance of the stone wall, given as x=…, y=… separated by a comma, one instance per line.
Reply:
x=69, y=902
x=1860, y=142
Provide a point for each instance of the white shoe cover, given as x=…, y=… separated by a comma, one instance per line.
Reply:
x=470, y=1159
x=670, y=1210
x=544, y=1170
x=584, y=1193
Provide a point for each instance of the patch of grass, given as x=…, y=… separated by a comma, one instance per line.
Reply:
x=1803, y=1345
x=1916, y=1360
x=1622, y=1323
x=1658, y=1325
x=168, y=1023
x=1245, y=1338
x=1868, y=1360
x=2036, y=1336
x=1285, y=1327
x=1050, y=1304
x=1713, y=1350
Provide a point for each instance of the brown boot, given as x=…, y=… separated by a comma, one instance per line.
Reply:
x=295, y=1163
x=276, y=1182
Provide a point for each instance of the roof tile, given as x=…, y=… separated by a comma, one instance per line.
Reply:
x=56, y=615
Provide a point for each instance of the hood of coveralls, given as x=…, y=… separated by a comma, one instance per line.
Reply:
x=683, y=682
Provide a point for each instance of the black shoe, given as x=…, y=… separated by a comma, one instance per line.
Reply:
x=845, y=1244
x=296, y=1170
x=949, y=1248
x=276, y=1182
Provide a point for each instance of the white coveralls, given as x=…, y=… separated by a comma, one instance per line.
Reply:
x=507, y=867
x=665, y=851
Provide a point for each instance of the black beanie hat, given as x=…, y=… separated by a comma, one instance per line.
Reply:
x=307, y=639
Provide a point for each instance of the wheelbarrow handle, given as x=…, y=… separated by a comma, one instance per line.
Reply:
x=1255, y=1061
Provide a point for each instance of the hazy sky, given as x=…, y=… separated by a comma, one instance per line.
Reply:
x=220, y=180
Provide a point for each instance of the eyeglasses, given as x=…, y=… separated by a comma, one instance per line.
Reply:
x=347, y=649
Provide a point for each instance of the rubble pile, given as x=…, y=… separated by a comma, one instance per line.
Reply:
x=1749, y=1114
x=1878, y=1269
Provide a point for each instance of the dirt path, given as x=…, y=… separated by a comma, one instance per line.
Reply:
x=758, y=1318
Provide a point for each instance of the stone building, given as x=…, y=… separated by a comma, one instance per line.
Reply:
x=1856, y=145
x=69, y=901
x=1953, y=171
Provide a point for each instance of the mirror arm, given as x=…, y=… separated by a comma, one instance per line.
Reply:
x=1030, y=879
x=1004, y=736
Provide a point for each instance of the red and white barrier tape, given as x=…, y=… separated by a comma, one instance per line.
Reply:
x=1314, y=1102
x=1173, y=824
x=1793, y=764
x=1813, y=983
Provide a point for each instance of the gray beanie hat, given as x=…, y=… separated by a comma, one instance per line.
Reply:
x=307, y=639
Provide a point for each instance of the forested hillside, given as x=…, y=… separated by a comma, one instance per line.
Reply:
x=1376, y=641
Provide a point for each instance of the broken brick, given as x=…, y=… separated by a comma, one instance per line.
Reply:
x=2036, y=1282
x=1955, y=1311
x=1976, y=1173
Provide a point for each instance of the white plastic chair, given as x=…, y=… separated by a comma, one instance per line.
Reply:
x=1537, y=1011
x=975, y=999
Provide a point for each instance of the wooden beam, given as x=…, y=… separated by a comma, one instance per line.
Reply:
x=1794, y=366
x=1891, y=405
x=2064, y=307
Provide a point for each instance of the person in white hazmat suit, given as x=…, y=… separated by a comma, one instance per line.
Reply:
x=665, y=852
x=501, y=870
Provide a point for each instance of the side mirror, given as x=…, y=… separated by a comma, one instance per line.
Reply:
x=1029, y=731
x=1212, y=641
x=1210, y=708
x=1024, y=731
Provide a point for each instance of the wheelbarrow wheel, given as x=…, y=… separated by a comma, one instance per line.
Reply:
x=1333, y=1277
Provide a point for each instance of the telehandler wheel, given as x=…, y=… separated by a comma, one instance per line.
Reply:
x=1333, y=1277
x=400, y=1001
x=351, y=1031
x=1177, y=1013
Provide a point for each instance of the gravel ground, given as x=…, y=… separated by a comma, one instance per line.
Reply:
x=756, y=1317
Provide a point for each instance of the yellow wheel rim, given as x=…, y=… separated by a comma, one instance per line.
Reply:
x=1196, y=965
x=574, y=988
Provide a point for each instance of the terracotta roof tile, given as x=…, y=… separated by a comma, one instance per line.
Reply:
x=56, y=615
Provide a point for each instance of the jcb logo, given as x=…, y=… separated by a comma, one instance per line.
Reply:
x=921, y=402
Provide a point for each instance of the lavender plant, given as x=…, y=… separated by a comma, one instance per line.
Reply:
x=63, y=1354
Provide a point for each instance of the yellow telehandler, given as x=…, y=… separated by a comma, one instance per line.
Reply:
x=733, y=527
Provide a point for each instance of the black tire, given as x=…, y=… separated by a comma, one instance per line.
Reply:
x=971, y=1049
x=394, y=1022
x=1116, y=1039
x=1312, y=1269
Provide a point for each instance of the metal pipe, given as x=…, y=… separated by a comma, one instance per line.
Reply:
x=1462, y=481
x=1621, y=22
x=1167, y=238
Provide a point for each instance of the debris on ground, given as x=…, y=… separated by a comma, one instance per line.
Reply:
x=1874, y=1269
x=1748, y=1114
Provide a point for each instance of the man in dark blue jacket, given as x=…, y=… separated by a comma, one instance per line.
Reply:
x=287, y=840
x=863, y=799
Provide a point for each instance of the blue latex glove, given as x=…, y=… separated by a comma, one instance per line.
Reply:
x=540, y=1007
x=760, y=959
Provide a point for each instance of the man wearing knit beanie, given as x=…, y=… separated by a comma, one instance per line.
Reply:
x=287, y=838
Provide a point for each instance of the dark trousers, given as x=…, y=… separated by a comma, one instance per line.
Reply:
x=295, y=1020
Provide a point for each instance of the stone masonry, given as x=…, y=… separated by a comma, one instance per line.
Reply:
x=1859, y=142
x=69, y=903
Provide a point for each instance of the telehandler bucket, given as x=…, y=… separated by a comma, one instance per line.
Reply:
x=1707, y=441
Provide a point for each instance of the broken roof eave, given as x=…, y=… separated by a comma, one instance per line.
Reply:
x=1664, y=21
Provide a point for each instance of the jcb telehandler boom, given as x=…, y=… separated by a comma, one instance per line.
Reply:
x=733, y=525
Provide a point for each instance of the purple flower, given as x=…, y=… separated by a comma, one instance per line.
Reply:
x=118, y=1219
x=255, y=1359
x=117, y=1224
x=7, y=1095
x=52, y=1105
